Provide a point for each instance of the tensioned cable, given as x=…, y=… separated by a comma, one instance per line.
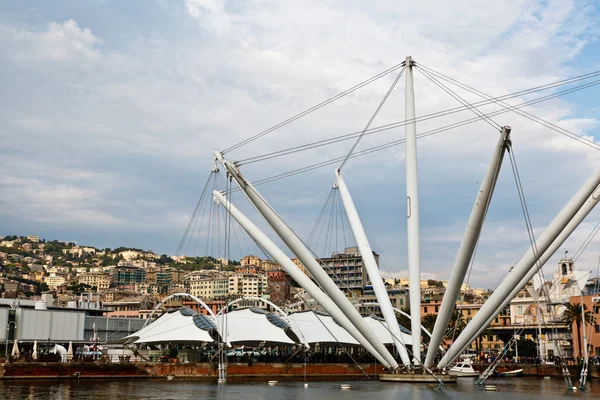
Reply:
x=488, y=202
x=317, y=222
x=580, y=138
x=425, y=134
x=586, y=242
x=488, y=101
x=465, y=103
x=372, y=117
x=314, y=108
x=194, y=214
x=531, y=235
x=422, y=135
x=309, y=307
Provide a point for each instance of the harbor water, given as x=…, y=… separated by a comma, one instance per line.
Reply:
x=117, y=389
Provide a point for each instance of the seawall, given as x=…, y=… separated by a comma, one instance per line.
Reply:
x=540, y=369
x=186, y=370
x=234, y=370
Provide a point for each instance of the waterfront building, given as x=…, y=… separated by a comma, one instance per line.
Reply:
x=127, y=307
x=499, y=330
x=399, y=298
x=592, y=303
x=545, y=314
x=279, y=290
x=347, y=270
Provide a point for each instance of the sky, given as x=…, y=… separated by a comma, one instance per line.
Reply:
x=110, y=112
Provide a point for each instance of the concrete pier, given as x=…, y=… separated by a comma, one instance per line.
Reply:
x=416, y=378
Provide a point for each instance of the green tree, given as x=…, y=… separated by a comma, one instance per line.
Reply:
x=428, y=322
x=572, y=315
x=78, y=288
x=455, y=325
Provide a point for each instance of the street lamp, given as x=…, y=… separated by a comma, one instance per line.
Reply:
x=7, y=333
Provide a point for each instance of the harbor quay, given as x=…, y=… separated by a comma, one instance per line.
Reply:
x=241, y=371
x=291, y=371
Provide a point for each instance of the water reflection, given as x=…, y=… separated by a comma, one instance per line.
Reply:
x=523, y=388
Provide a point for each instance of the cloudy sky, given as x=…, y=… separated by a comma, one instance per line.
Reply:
x=110, y=111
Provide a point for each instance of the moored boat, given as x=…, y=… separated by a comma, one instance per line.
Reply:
x=516, y=372
x=463, y=368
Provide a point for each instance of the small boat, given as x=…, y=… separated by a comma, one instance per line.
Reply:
x=345, y=386
x=463, y=368
x=516, y=372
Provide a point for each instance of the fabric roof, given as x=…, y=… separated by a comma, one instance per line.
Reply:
x=183, y=325
x=380, y=328
x=254, y=325
x=310, y=325
x=320, y=328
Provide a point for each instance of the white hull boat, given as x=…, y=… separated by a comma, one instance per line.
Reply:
x=463, y=369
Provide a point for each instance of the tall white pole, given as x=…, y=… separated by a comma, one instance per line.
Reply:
x=307, y=284
x=515, y=280
x=372, y=269
x=564, y=235
x=467, y=246
x=412, y=213
x=584, y=368
x=304, y=255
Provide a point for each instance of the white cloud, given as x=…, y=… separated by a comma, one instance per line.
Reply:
x=59, y=42
x=148, y=111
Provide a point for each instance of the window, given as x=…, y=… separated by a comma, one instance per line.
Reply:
x=425, y=310
x=519, y=310
x=597, y=328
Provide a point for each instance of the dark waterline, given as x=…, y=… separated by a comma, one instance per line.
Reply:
x=518, y=388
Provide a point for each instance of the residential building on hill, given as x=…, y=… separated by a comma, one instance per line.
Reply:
x=98, y=280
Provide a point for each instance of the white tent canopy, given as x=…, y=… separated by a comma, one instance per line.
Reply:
x=381, y=330
x=321, y=328
x=252, y=325
x=182, y=325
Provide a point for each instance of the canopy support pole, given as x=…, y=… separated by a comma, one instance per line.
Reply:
x=372, y=269
x=564, y=235
x=274, y=252
x=527, y=266
x=467, y=246
x=307, y=259
x=412, y=213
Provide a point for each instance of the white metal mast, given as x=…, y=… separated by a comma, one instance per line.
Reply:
x=372, y=269
x=307, y=284
x=526, y=267
x=412, y=213
x=564, y=235
x=467, y=247
x=304, y=255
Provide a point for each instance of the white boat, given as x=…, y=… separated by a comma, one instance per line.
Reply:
x=463, y=368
